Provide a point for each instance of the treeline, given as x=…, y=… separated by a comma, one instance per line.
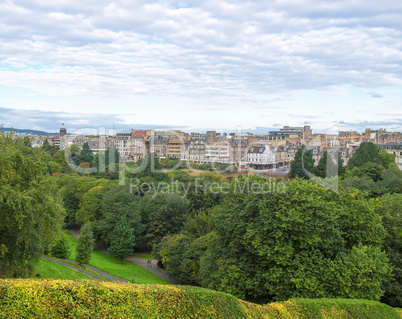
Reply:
x=294, y=239
x=308, y=241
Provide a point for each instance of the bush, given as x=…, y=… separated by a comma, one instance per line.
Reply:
x=61, y=248
x=87, y=299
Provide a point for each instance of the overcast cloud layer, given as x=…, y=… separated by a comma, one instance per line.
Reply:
x=211, y=64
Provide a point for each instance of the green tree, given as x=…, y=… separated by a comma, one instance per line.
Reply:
x=122, y=240
x=163, y=214
x=326, y=166
x=27, y=141
x=392, y=220
x=118, y=203
x=84, y=246
x=296, y=244
x=303, y=163
x=60, y=158
x=61, y=247
x=54, y=167
x=85, y=155
x=370, y=153
x=90, y=207
x=30, y=210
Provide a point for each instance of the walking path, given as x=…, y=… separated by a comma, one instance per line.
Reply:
x=143, y=262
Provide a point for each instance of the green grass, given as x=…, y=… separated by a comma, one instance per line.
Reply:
x=143, y=255
x=115, y=267
x=50, y=270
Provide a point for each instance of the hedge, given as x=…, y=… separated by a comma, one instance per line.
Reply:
x=30, y=298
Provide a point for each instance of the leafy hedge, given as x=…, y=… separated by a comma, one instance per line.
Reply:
x=22, y=298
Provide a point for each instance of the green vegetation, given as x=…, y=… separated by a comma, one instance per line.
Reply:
x=60, y=247
x=31, y=213
x=113, y=266
x=86, y=299
x=84, y=247
x=123, y=240
x=303, y=164
x=50, y=270
x=300, y=243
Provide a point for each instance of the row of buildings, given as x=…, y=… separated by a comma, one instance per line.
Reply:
x=275, y=149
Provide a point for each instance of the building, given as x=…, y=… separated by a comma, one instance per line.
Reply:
x=196, y=149
x=218, y=152
x=288, y=131
x=261, y=157
x=159, y=145
x=396, y=149
x=122, y=142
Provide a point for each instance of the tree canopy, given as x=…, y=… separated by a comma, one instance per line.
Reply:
x=30, y=212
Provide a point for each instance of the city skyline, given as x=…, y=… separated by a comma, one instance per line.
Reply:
x=215, y=65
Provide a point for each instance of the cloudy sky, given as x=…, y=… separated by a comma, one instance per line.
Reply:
x=198, y=65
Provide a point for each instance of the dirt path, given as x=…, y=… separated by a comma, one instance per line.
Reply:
x=143, y=262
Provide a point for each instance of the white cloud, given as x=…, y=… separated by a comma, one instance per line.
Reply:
x=212, y=54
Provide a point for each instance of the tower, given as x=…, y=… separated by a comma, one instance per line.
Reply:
x=63, y=130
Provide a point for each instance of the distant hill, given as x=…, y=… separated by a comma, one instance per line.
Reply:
x=17, y=130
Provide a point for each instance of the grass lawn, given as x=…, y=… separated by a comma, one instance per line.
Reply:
x=115, y=267
x=143, y=255
x=51, y=270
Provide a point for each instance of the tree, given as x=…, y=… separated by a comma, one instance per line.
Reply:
x=163, y=215
x=122, y=240
x=370, y=153
x=90, y=206
x=84, y=246
x=85, y=156
x=297, y=244
x=326, y=166
x=61, y=247
x=392, y=220
x=303, y=163
x=30, y=210
x=60, y=158
x=27, y=141
x=118, y=203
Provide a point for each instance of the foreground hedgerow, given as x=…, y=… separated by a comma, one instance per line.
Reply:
x=87, y=299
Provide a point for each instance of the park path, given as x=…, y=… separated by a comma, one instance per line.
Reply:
x=143, y=262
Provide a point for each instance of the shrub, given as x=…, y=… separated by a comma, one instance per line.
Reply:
x=61, y=248
x=86, y=299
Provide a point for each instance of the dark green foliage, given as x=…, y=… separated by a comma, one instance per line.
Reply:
x=118, y=203
x=84, y=247
x=147, y=169
x=60, y=158
x=122, y=240
x=303, y=163
x=163, y=215
x=30, y=212
x=109, y=157
x=27, y=141
x=392, y=220
x=370, y=153
x=326, y=167
x=306, y=242
x=61, y=247
x=48, y=148
x=85, y=156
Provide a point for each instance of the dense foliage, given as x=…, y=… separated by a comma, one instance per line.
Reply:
x=87, y=299
x=30, y=212
x=306, y=242
x=84, y=247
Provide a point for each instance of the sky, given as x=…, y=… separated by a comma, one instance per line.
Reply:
x=201, y=65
